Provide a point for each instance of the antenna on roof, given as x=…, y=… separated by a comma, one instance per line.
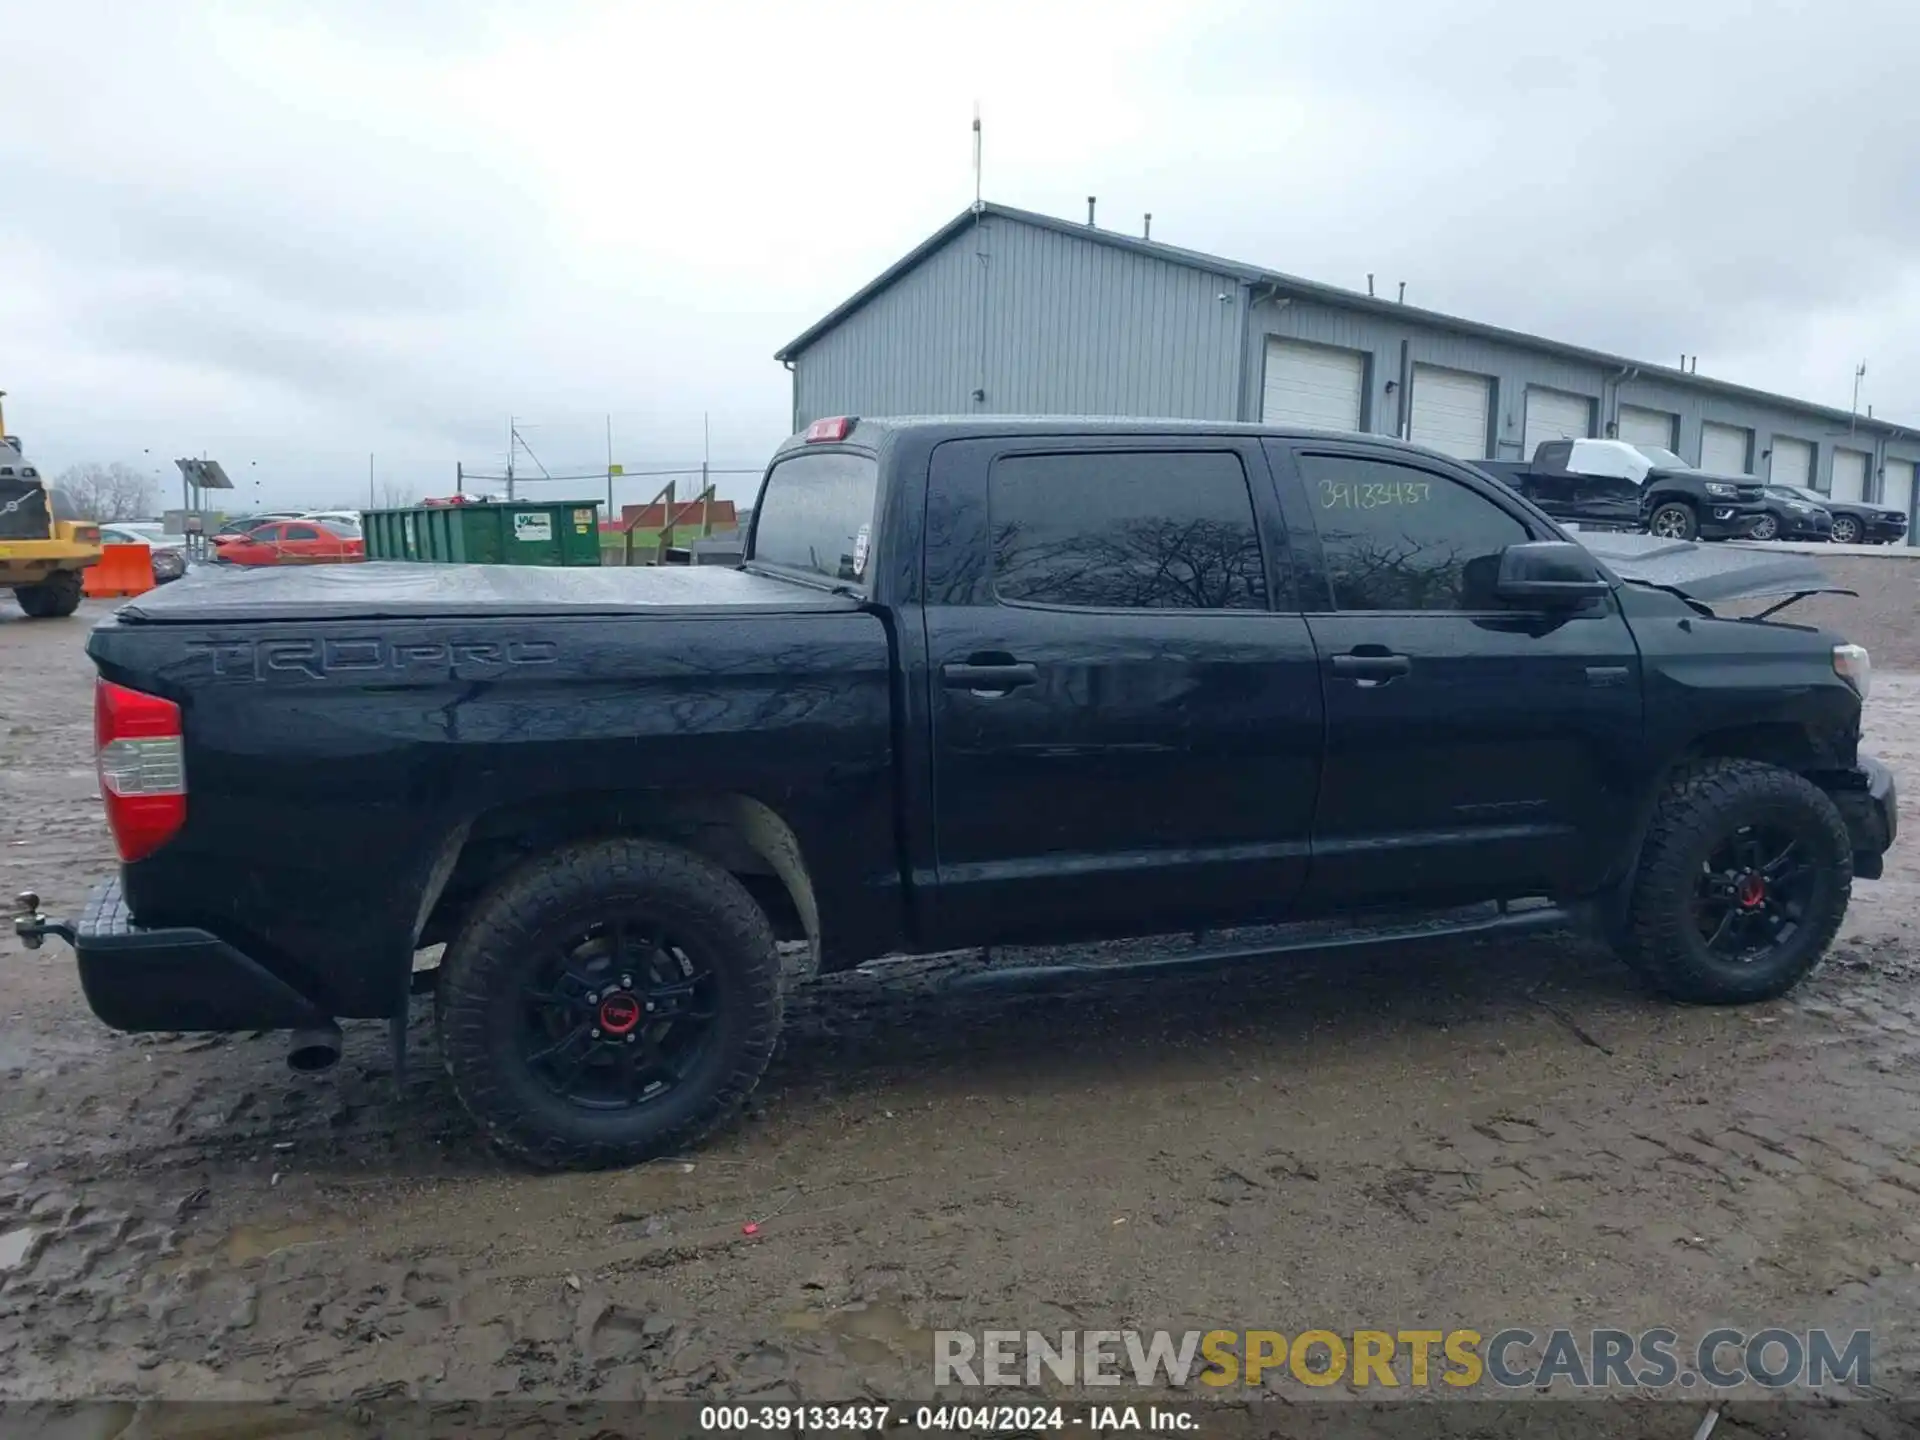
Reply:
x=978, y=203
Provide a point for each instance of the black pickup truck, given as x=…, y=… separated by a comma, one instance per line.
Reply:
x=1614, y=485
x=976, y=681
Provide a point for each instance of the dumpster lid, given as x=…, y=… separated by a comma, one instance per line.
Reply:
x=381, y=589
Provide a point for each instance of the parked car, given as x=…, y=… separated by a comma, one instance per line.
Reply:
x=1854, y=521
x=241, y=524
x=976, y=681
x=290, y=542
x=1793, y=514
x=1612, y=484
x=347, y=519
x=169, y=560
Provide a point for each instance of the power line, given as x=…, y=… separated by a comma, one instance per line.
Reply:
x=623, y=475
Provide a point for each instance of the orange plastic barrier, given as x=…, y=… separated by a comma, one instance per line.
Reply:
x=123, y=570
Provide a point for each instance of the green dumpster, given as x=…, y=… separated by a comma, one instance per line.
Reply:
x=551, y=532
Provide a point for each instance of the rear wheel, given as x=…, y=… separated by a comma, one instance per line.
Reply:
x=1674, y=521
x=1742, y=884
x=59, y=594
x=1846, y=530
x=611, y=1002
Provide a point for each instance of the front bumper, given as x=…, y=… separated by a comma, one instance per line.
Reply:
x=1729, y=522
x=1869, y=802
x=1879, y=530
x=173, y=979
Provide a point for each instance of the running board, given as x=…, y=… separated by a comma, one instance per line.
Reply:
x=1528, y=921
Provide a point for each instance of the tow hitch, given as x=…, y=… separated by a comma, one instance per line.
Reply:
x=31, y=926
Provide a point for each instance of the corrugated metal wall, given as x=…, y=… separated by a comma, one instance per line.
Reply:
x=1012, y=318
x=1513, y=368
x=1040, y=322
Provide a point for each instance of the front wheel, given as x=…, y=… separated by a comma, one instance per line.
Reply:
x=1765, y=528
x=57, y=595
x=609, y=1003
x=1742, y=884
x=1846, y=530
x=1674, y=521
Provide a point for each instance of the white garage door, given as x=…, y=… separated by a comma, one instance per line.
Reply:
x=1898, y=490
x=1556, y=415
x=1640, y=426
x=1791, y=462
x=1849, y=475
x=1312, y=385
x=1723, y=448
x=1450, y=411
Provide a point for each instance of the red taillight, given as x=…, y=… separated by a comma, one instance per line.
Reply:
x=836, y=427
x=142, y=760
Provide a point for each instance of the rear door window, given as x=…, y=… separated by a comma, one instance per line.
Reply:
x=1125, y=530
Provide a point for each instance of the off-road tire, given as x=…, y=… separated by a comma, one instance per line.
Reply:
x=1681, y=517
x=484, y=969
x=1846, y=530
x=57, y=595
x=1660, y=936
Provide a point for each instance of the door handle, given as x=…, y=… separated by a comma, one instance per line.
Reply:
x=991, y=678
x=1368, y=670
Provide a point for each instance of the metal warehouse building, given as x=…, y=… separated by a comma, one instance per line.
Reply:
x=1005, y=311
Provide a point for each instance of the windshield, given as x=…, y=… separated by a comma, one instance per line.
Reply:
x=1797, y=492
x=1662, y=459
x=816, y=515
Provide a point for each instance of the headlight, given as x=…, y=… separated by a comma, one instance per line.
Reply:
x=1798, y=508
x=1851, y=664
x=1725, y=492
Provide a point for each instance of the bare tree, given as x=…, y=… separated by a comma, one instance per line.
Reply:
x=107, y=492
x=396, y=496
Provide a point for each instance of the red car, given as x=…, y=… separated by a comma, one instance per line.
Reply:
x=291, y=542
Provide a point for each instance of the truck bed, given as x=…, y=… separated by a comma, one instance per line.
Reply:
x=396, y=591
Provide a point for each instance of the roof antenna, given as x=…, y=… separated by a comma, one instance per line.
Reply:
x=1090, y=200
x=978, y=203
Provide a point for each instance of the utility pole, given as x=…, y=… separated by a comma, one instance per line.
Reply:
x=513, y=443
x=1859, y=374
x=609, y=467
x=372, y=503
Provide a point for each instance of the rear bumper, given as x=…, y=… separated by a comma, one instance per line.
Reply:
x=1870, y=804
x=175, y=979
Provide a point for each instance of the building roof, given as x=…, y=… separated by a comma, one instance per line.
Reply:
x=1295, y=286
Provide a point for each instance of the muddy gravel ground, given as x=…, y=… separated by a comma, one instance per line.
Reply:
x=1474, y=1136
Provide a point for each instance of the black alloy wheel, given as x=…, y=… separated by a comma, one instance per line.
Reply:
x=617, y=1015
x=1755, y=893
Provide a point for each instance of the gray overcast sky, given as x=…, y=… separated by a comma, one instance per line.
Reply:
x=291, y=234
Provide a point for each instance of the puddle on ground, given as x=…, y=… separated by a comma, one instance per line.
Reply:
x=867, y=1334
x=246, y=1243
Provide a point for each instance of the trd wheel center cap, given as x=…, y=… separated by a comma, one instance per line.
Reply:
x=619, y=1014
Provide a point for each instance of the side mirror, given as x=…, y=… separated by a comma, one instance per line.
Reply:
x=1549, y=572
